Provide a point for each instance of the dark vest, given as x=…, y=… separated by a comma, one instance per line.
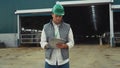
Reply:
x=50, y=34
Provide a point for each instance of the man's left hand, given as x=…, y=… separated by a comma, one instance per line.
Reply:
x=61, y=45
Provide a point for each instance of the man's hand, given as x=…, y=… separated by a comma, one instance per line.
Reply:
x=61, y=45
x=46, y=46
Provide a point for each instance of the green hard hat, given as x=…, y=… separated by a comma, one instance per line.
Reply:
x=58, y=10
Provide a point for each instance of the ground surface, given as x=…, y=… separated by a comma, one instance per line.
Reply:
x=81, y=56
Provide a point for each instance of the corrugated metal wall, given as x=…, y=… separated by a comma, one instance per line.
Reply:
x=116, y=2
x=7, y=8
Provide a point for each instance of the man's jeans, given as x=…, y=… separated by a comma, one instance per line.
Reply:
x=56, y=66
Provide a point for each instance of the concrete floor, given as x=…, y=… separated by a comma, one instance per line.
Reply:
x=81, y=56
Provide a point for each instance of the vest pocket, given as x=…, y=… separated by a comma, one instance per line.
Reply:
x=48, y=53
x=65, y=53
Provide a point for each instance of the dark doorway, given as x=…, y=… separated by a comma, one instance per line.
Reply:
x=88, y=22
x=31, y=27
x=116, y=20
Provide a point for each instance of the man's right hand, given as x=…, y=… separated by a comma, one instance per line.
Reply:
x=46, y=46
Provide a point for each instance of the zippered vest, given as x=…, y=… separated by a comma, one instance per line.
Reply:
x=50, y=34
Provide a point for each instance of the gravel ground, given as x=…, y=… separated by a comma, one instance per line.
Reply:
x=81, y=56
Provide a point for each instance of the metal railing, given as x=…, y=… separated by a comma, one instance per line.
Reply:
x=30, y=38
x=117, y=37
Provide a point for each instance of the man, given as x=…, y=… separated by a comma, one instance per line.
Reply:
x=57, y=57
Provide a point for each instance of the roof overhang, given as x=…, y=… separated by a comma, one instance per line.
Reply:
x=32, y=11
x=115, y=7
x=85, y=2
x=64, y=3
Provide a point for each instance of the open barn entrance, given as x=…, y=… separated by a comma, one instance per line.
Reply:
x=88, y=19
x=88, y=24
x=30, y=29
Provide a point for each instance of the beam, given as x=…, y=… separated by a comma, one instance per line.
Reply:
x=115, y=7
x=85, y=2
x=31, y=11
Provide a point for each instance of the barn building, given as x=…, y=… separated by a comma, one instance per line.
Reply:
x=21, y=21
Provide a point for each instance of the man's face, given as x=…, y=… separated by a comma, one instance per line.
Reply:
x=57, y=19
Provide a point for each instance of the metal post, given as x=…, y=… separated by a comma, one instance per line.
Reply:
x=111, y=26
x=18, y=30
x=100, y=40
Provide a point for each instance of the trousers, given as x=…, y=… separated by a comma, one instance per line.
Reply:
x=56, y=66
